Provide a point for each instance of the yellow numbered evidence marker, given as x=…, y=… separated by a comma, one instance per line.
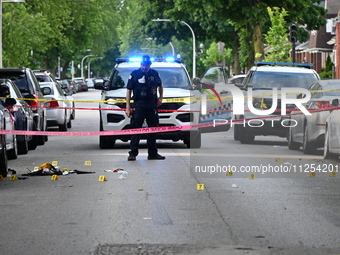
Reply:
x=13, y=178
x=200, y=186
x=252, y=176
x=102, y=178
x=54, y=177
x=230, y=173
x=332, y=174
x=312, y=174
x=54, y=163
x=87, y=163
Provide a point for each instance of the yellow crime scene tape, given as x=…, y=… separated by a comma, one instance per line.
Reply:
x=165, y=100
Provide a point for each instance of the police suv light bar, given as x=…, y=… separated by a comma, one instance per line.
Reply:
x=139, y=59
x=261, y=63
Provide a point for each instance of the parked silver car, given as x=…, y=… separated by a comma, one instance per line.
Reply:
x=9, y=124
x=332, y=133
x=23, y=118
x=309, y=131
x=59, y=108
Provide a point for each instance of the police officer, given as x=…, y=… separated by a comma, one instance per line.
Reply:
x=144, y=83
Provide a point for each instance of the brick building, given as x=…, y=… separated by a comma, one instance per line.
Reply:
x=320, y=43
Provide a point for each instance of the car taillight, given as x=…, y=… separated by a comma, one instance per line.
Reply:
x=323, y=104
x=34, y=104
x=52, y=104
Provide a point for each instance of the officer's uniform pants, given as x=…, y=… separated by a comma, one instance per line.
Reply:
x=137, y=119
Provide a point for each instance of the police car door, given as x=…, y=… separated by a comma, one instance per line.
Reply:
x=219, y=98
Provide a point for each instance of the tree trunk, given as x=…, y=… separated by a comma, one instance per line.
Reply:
x=237, y=66
x=251, y=53
x=258, y=44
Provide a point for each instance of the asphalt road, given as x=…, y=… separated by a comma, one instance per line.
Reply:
x=158, y=208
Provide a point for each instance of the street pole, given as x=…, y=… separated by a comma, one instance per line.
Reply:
x=293, y=53
x=72, y=69
x=89, y=66
x=59, y=67
x=193, y=50
x=82, y=65
x=173, y=49
x=193, y=45
x=1, y=1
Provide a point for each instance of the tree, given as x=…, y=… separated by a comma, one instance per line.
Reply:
x=253, y=15
x=37, y=32
x=277, y=37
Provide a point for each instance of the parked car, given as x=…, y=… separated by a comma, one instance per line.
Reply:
x=309, y=130
x=332, y=133
x=90, y=83
x=82, y=86
x=236, y=79
x=262, y=78
x=4, y=92
x=55, y=115
x=11, y=139
x=73, y=86
x=65, y=85
x=29, y=87
x=23, y=117
x=44, y=76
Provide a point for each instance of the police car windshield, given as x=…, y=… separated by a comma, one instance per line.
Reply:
x=268, y=80
x=172, y=77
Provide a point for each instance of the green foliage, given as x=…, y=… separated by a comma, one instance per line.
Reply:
x=329, y=64
x=36, y=33
x=213, y=56
x=246, y=48
x=277, y=37
x=327, y=73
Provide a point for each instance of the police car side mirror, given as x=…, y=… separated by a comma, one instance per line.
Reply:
x=10, y=101
x=196, y=83
x=4, y=91
x=102, y=85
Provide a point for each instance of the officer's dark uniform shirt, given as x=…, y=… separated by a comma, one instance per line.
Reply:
x=144, y=87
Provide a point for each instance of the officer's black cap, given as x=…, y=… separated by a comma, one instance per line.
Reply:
x=146, y=60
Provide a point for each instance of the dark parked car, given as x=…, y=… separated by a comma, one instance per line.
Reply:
x=82, y=86
x=29, y=87
x=23, y=117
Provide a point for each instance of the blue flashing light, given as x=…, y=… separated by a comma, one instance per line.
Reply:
x=139, y=59
x=170, y=59
x=134, y=59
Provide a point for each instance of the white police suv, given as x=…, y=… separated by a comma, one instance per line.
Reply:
x=262, y=79
x=181, y=103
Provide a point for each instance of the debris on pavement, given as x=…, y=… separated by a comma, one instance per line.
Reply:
x=122, y=174
x=49, y=169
